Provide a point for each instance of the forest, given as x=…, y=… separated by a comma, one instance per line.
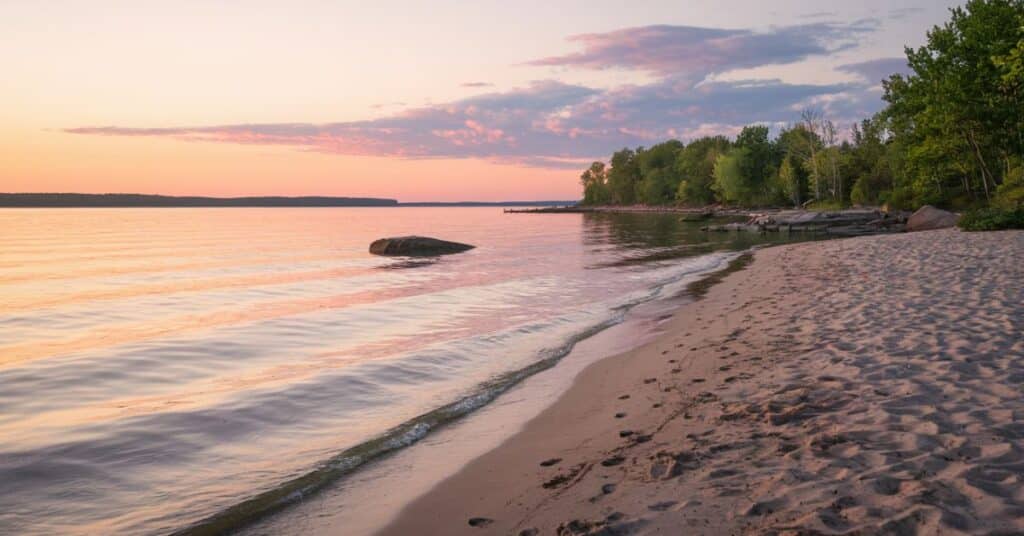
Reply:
x=951, y=134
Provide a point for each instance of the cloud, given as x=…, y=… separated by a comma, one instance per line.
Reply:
x=500, y=125
x=552, y=124
x=654, y=112
x=874, y=71
x=547, y=124
x=476, y=84
x=694, y=52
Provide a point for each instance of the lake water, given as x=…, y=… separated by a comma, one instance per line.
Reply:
x=173, y=369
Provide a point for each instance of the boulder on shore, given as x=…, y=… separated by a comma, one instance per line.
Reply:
x=928, y=217
x=416, y=246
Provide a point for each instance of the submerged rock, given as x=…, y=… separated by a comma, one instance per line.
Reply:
x=416, y=246
x=929, y=217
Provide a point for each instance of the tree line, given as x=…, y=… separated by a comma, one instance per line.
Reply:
x=951, y=134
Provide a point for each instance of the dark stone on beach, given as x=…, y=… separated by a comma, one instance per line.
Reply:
x=549, y=463
x=625, y=433
x=928, y=217
x=416, y=246
x=613, y=461
x=650, y=380
x=643, y=438
x=607, y=488
x=624, y=397
x=619, y=415
x=532, y=531
x=480, y=521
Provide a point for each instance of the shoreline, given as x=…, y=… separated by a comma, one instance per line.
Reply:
x=760, y=409
x=475, y=432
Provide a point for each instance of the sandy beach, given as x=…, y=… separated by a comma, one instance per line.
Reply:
x=867, y=385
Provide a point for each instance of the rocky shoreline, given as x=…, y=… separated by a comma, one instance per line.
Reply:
x=843, y=222
x=846, y=222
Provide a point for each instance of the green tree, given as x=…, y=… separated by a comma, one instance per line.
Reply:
x=595, y=185
x=658, y=181
x=695, y=167
x=1010, y=193
x=759, y=166
x=868, y=164
x=956, y=116
x=731, y=186
x=793, y=180
x=623, y=177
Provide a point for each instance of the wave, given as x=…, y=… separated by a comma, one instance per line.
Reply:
x=408, y=433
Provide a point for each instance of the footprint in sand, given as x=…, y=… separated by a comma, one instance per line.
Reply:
x=661, y=506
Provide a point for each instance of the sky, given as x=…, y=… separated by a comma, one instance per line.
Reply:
x=414, y=100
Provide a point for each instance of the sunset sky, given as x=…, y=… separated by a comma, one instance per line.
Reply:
x=419, y=101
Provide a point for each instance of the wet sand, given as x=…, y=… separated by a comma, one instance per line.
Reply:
x=868, y=385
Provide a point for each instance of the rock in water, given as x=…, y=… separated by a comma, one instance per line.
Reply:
x=929, y=217
x=416, y=246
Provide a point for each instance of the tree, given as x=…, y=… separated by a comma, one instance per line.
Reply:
x=792, y=179
x=759, y=166
x=799, y=144
x=868, y=164
x=658, y=181
x=623, y=177
x=956, y=109
x=695, y=166
x=595, y=185
x=730, y=185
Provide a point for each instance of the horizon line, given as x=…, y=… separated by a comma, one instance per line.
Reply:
x=139, y=200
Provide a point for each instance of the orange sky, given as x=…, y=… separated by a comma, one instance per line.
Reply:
x=48, y=161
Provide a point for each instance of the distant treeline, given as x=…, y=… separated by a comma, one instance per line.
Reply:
x=140, y=200
x=952, y=134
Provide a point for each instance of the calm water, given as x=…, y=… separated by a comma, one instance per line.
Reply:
x=170, y=368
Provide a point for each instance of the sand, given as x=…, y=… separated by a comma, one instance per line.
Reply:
x=867, y=385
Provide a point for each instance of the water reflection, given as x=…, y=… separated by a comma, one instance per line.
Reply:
x=643, y=238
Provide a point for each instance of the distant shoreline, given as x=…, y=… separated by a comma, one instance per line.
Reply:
x=76, y=200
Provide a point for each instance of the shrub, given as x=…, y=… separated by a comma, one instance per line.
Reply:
x=1010, y=194
x=992, y=219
